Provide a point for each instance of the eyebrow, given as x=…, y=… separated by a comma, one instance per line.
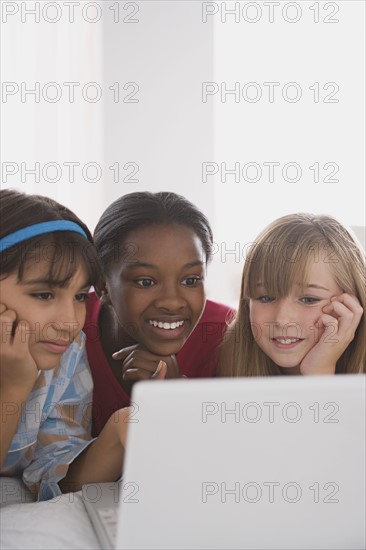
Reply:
x=47, y=283
x=137, y=264
x=311, y=285
x=317, y=286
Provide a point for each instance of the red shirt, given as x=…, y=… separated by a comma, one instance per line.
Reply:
x=198, y=357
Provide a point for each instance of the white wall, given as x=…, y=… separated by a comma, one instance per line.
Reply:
x=273, y=129
x=45, y=132
x=168, y=131
x=170, y=50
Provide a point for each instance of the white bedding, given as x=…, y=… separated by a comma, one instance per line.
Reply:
x=57, y=524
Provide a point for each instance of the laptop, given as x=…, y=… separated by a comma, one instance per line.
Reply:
x=249, y=463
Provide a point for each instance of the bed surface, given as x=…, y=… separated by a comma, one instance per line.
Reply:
x=57, y=524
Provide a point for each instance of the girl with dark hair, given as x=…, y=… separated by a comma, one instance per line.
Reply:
x=48, y=263
x=152, y=318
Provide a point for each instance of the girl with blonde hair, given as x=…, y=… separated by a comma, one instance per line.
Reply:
x=302, y=301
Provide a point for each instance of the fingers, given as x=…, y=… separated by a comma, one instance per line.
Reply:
x=161, y=371
x=7, y=314
x=348, y=311
x=7, y=324
x=328, y=326
x=136, y=374
x=134, y=351
x=124, y=352
x=15, y=343
x=337, y=326
x=21, y=334
x=141, y=364
x=348, y=301
x=136, y=363
x=140, y=374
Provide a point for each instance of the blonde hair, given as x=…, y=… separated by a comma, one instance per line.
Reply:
x=281, y=255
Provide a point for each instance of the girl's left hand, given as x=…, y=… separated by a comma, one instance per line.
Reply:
x=337, y=327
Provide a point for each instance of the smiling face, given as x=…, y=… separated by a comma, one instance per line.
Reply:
x=55, y=314
x=285, y=328
x=158, y=293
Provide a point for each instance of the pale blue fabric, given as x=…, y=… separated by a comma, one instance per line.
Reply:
x=55, y=424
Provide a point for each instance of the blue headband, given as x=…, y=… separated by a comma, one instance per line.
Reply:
x=39, y=229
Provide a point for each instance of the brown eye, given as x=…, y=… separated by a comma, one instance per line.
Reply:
x=191, y=281
x=43, y=296
x=145, y=283
x=81, y=297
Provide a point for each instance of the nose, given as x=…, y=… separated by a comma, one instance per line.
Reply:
x=69, y=321
x=284, y=312
x=170, y=298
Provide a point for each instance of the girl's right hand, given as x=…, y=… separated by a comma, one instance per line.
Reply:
x=140, y=364
x=18, y=369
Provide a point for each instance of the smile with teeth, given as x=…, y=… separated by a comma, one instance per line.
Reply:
x=165, y=325
x=286, y=340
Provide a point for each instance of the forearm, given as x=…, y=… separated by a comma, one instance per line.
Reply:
x=11, y=404
x=102, y=460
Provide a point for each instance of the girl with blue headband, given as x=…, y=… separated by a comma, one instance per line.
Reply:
x=48, y=263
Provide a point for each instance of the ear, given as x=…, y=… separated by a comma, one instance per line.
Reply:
x=102, y=293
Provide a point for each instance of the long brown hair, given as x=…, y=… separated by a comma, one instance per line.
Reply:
x=280, y=256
